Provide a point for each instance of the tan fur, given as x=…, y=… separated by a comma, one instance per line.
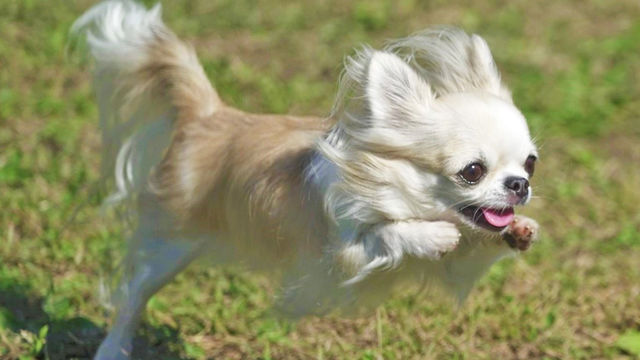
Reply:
x=172, y=65
x=227, y=171
x=247, y=174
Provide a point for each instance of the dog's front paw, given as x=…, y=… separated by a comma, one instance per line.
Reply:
x=431, y=239
x=446, y=237
x=423, y=239
x=521, y=233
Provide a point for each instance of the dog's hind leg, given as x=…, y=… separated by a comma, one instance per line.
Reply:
x=153, y=260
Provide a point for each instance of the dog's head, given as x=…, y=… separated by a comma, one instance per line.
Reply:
x=486, y=159
x=429, y=132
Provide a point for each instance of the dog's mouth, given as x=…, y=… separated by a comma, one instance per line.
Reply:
x=488, y=218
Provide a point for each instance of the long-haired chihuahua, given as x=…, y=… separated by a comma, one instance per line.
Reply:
x=413, y=176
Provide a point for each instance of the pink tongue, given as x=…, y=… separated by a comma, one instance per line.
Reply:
x=498, y=218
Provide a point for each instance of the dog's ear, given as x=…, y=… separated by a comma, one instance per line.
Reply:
x=482, y=64
x=395, y=92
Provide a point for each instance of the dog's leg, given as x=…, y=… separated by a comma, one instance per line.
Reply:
x=423, y=239
x=386, y=244
x=154, y=262
x=475, y=256
x=521, y=233
x=471, y=259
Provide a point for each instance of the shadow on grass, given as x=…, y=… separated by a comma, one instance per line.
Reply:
x=77, y=337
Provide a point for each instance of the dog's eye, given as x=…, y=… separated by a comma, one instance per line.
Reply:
x=472, y=173
x=530, y=165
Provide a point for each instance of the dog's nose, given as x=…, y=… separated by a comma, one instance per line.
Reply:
x=519, y=185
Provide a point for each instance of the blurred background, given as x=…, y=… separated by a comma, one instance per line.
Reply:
x=574, y=70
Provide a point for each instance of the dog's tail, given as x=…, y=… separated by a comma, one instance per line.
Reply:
x=146, y=79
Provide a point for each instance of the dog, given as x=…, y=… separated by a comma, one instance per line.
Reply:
x=414, y=175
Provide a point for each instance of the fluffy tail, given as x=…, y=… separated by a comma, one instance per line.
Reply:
x=146, y=79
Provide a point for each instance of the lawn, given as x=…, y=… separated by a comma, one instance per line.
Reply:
x=573, y=66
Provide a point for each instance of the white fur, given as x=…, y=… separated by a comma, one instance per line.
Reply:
x=386, y=245
x=408, y=119
x=435, y=98
x=153, y=259
x=452, y=61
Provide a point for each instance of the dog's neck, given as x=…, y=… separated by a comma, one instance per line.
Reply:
x=321, y=174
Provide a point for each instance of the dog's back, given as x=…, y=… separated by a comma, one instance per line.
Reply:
x=243, y=175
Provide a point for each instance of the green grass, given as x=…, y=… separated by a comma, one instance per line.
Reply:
x=573, y=67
